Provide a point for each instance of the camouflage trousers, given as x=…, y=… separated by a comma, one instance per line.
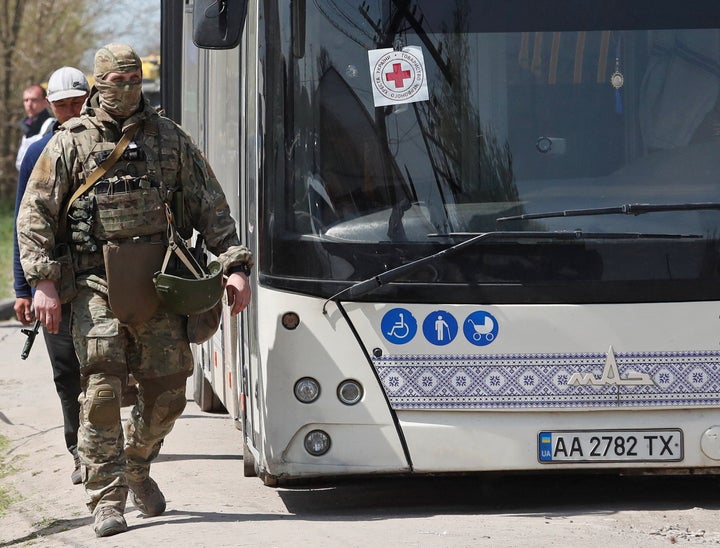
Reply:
x=158, y=355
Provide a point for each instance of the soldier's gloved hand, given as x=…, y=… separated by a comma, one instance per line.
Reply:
x=80, y=216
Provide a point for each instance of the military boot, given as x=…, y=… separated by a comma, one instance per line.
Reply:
x=109, y=521
x=76, y=476
x=147, y=497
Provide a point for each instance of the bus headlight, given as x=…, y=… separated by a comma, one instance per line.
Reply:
x=317, y=443
x=350, y=392
x=307, y=390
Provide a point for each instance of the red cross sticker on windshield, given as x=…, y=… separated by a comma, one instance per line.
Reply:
x=398, y=75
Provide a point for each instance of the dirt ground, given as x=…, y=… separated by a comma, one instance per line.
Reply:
x=210, y=503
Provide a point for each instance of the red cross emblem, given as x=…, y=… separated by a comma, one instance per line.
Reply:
x=398, y=75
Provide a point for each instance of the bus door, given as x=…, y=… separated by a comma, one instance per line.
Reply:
x=247, y=351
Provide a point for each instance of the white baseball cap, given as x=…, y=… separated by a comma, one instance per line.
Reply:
x=67, y=82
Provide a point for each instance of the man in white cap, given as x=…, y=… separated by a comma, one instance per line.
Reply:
x=67, y=91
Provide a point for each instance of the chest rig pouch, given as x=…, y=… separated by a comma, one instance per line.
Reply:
x=129, y=199
x=129, y=219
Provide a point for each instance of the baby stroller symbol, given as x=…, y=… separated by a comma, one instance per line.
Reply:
x=484, y=328
x=480, y=328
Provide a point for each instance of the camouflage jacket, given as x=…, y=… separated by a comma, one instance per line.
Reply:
x=67, y=161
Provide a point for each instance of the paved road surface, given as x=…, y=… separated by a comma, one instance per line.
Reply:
x=210, y=503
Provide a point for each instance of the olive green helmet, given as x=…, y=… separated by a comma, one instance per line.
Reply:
x=190, y=296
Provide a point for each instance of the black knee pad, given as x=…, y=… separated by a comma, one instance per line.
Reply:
x=104, y=406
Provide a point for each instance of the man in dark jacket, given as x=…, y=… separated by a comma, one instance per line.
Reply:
x=67, y=91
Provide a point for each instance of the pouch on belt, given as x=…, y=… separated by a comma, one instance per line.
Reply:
x=129, y=267
x=66, y=285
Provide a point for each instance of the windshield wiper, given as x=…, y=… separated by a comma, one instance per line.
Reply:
x=366, y=286
x=625, y=209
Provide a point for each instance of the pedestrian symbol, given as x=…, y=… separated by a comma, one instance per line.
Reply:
x=398, y=326
x=480, y=328
x=440, y=328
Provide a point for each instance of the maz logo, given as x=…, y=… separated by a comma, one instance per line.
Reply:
x=610, y=376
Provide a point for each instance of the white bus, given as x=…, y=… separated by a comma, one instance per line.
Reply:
x=487, y=231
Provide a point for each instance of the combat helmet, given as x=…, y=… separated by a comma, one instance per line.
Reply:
x=190, y=295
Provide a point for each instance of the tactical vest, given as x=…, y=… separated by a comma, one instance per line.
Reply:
x=130, y=198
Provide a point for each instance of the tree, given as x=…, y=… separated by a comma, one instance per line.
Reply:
x=39, y=36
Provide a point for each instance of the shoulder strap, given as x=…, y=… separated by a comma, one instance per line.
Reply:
x=177, y=245
x=99, y=172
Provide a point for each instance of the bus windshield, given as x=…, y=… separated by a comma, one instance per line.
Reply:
x=526, y=115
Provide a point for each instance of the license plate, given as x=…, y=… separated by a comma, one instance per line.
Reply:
x=610, y=446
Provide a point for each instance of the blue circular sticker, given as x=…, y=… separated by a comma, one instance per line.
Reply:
x=440, y=328
x=480, y=328
x=398, y=326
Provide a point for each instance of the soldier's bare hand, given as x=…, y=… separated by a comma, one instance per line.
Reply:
x=238, y=292
x=23, y=310
x=47, y=305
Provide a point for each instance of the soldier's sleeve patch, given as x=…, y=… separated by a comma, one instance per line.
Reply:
x=44, y=169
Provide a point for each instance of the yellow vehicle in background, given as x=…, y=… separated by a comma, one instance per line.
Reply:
x=151, y=78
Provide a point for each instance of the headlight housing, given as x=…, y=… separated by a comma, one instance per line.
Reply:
x=350, y=392
x=317, y=442
x=307, y=390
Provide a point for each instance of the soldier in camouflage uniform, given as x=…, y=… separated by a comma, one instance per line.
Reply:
x=156, y=351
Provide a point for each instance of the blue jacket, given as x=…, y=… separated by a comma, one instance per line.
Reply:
x=22, y=288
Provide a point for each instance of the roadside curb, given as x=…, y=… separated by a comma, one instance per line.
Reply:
x=7, y=310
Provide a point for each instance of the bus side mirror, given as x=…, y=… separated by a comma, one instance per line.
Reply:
x=217, y=24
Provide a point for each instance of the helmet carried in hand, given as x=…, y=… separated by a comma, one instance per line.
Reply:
x=190, y=295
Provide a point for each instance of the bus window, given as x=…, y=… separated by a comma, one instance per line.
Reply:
x=523, y=116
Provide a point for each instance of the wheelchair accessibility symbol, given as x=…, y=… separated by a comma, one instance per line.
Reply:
x=480, y=328
x=398, y=326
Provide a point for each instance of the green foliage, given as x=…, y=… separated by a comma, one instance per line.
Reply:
x=39, y=36
x=7, y=222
